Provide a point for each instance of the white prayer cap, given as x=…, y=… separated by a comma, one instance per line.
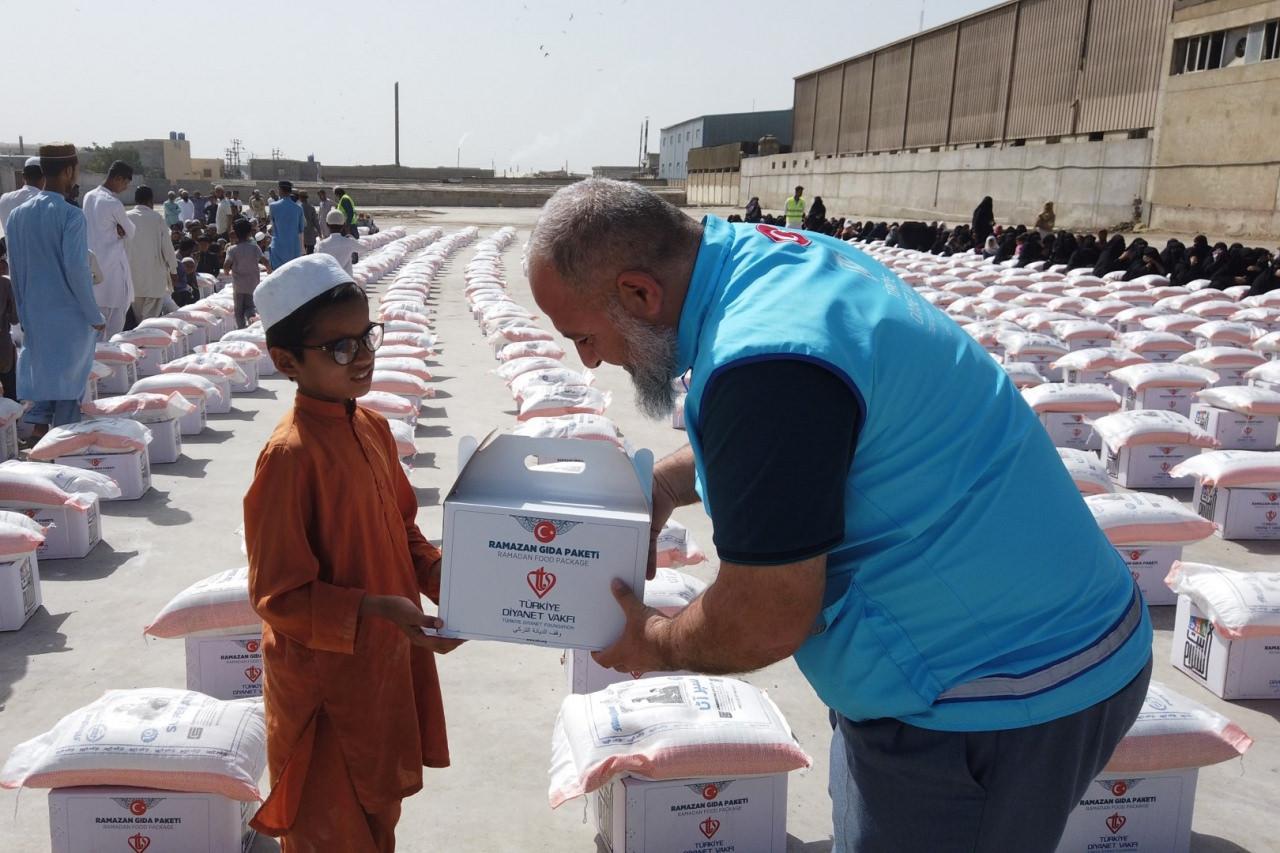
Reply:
x=31, y=161
x=259, y=237
x=296, y=283
x=188, y=260
x=335, y=217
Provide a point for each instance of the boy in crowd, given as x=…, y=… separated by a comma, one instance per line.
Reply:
x=338, y=244
x=207, y=258
x=337, y=565
x=186, y=287
x=243, y=262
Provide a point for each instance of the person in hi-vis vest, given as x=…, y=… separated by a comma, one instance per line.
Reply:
x=795, y=209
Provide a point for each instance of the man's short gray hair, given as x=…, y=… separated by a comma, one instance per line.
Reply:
x=596, y=228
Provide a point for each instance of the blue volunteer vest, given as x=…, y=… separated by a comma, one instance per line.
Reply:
x=973, y=590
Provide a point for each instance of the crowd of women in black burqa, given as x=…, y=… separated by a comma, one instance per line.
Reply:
x=1222, y=265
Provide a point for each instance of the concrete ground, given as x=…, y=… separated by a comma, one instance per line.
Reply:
x=501, y=700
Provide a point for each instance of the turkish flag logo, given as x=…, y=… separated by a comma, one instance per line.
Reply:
x=1133, y=555
x=1119, y=788
x=253, y=673
x=544, y=531
x=138, y=807
x=1273, y=496
x=709, y=827
x=95, y=462
x=781, y=235
x=1116, y=822
x=540, y=581
x=710, y=791
x=251, y=646
x=139, y=843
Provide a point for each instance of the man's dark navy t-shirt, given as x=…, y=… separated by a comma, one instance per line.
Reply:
x=778, y=439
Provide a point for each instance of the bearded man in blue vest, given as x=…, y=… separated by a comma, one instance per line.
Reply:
x=886, y=509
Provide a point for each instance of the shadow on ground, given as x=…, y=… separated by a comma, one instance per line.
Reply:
x=41, y=635
x=101, y=562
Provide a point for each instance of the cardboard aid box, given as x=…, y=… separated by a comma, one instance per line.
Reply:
x=225, y=666
x=1071, y=429
x=123, y=375
x=19, y=591
x=529, y=555
x=745, y=815
x=143, y=820
x=194, y=423
x=152, y=358
x=583, y=675
x=9, y=440
x=250, y=383
x=1232, y=669
x=1042, y=362
x=1237, y=431
x=266, y=367
x=1145, y=814
x=1149, y=565
x=132, y=470
x=166, y=441
x=222, y=406
x=1240, y=513
x=69, y=533
x=1147, y=466
x=1170, y=399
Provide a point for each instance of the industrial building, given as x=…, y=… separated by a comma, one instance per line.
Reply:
x=1159, y=112
x=171, y=159
x=711, y=130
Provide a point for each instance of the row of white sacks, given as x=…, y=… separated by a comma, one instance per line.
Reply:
x=214, y=795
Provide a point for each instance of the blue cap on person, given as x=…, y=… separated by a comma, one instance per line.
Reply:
x=295, y=284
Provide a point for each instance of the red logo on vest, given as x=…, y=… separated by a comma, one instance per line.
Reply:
x=540, y=581
x=1116, y=822
x=781, y=235
x=709, y=827
x=139, y=843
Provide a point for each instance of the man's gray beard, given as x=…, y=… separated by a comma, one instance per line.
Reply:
x=652, y=352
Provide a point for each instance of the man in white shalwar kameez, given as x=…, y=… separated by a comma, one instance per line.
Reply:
x=32, y=184
x=53, y=288
x=109, y=229
x=152, y=261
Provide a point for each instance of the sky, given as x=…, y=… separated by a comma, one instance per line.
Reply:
x=527, y=84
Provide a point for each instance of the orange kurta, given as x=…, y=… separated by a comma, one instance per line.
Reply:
x=331, y=516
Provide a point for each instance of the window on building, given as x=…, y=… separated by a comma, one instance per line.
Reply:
x=1199, y=53
x=1271, y=40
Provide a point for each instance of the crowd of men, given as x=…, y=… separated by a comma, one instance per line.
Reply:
x=75, y=272
x=1220, y=264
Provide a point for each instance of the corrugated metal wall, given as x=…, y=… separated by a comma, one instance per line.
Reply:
x=803, y=113
x=826, y=123
x=889, y=97
x=932, y=64
x=1015, y=74
x=1122, y=64
x=855, y=106
x=1046, y=66
x=984, y=58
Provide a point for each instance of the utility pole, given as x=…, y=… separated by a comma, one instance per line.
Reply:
x=397, y=123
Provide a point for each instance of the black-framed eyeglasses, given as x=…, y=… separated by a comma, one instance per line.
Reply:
x=344, y=350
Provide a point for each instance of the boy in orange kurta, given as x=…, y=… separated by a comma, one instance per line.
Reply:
x=336, y=566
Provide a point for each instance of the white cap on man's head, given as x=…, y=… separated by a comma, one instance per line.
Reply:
x=296, y=283
x=335, y=217
x=31, y=161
